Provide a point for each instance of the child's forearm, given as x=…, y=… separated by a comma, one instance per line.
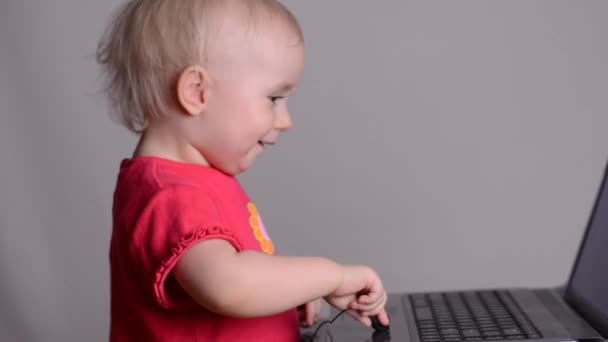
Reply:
x=273, y=284
x=252, y=284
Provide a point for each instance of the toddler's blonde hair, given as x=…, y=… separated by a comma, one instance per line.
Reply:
x=149, y=42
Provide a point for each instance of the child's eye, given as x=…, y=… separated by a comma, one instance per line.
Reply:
x=274, y=99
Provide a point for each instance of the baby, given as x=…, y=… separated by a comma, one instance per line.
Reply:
x=205, y=84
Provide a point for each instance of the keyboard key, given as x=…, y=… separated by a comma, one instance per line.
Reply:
x=470, y=333
x=511, y=331
x=430, y=335
x=508, y=326
x=427, y=328
x=484, y=315
x=423, y=313
x=505, y=321
x=429, y=331
x=445, y=320
x=515, y=337
x=449, y=331
x=435, y=296
x=467, y=327
x=491, y=333
x=419, y=302
x=484, y=329
x=451, y=336
x=434, y=339
x=486, y=324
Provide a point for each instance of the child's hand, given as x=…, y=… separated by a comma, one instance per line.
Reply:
x=362, y=293
x=309, y=312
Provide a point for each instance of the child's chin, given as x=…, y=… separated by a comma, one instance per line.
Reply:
x=242, y=167
x=245, y=163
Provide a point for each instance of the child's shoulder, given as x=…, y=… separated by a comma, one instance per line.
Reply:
x=166, y=187
x=154, y=174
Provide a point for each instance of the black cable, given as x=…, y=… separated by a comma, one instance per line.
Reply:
x=327, y=322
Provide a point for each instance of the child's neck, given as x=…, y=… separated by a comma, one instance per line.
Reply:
x=158, y=143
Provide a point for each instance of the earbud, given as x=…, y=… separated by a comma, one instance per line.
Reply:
x=379, y=326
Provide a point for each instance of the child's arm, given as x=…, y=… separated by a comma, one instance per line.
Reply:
x=253, y=284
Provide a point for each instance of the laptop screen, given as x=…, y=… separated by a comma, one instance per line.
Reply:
x=589, y=279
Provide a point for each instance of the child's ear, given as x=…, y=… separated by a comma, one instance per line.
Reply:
x=191, y=89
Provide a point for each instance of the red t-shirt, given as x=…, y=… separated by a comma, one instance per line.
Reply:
x=161, y=208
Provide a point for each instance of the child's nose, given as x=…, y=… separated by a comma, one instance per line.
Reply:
x=283, y=121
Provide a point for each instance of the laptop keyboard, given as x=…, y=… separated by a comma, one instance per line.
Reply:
x=470, y=316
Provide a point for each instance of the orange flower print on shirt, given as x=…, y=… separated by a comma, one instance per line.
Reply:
x=259, y=230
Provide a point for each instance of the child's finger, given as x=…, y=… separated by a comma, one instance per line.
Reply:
x=369, y=300
x=312, y=311
x=376, y=289
x=309, y=316
x=366, y=321
x=368, y=309
x=357, y=316
x=383, y=317
x=372, y=296
x=369, y=306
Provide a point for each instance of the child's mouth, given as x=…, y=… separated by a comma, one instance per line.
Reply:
x=264, y=144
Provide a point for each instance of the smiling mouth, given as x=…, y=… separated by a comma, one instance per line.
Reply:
x=265, y=143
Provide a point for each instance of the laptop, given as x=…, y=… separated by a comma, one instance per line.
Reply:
x=576, y=312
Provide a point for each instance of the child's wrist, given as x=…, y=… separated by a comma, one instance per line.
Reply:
x=340, y=275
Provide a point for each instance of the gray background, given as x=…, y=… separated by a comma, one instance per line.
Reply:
x=447, y=144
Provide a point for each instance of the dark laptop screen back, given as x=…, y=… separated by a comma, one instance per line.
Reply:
x=589, y=279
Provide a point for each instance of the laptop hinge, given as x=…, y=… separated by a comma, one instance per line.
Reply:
x=578, y=327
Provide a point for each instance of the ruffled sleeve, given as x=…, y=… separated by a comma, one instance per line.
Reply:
x=175, y=219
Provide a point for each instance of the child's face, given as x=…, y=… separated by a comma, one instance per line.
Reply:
x=246, y=100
